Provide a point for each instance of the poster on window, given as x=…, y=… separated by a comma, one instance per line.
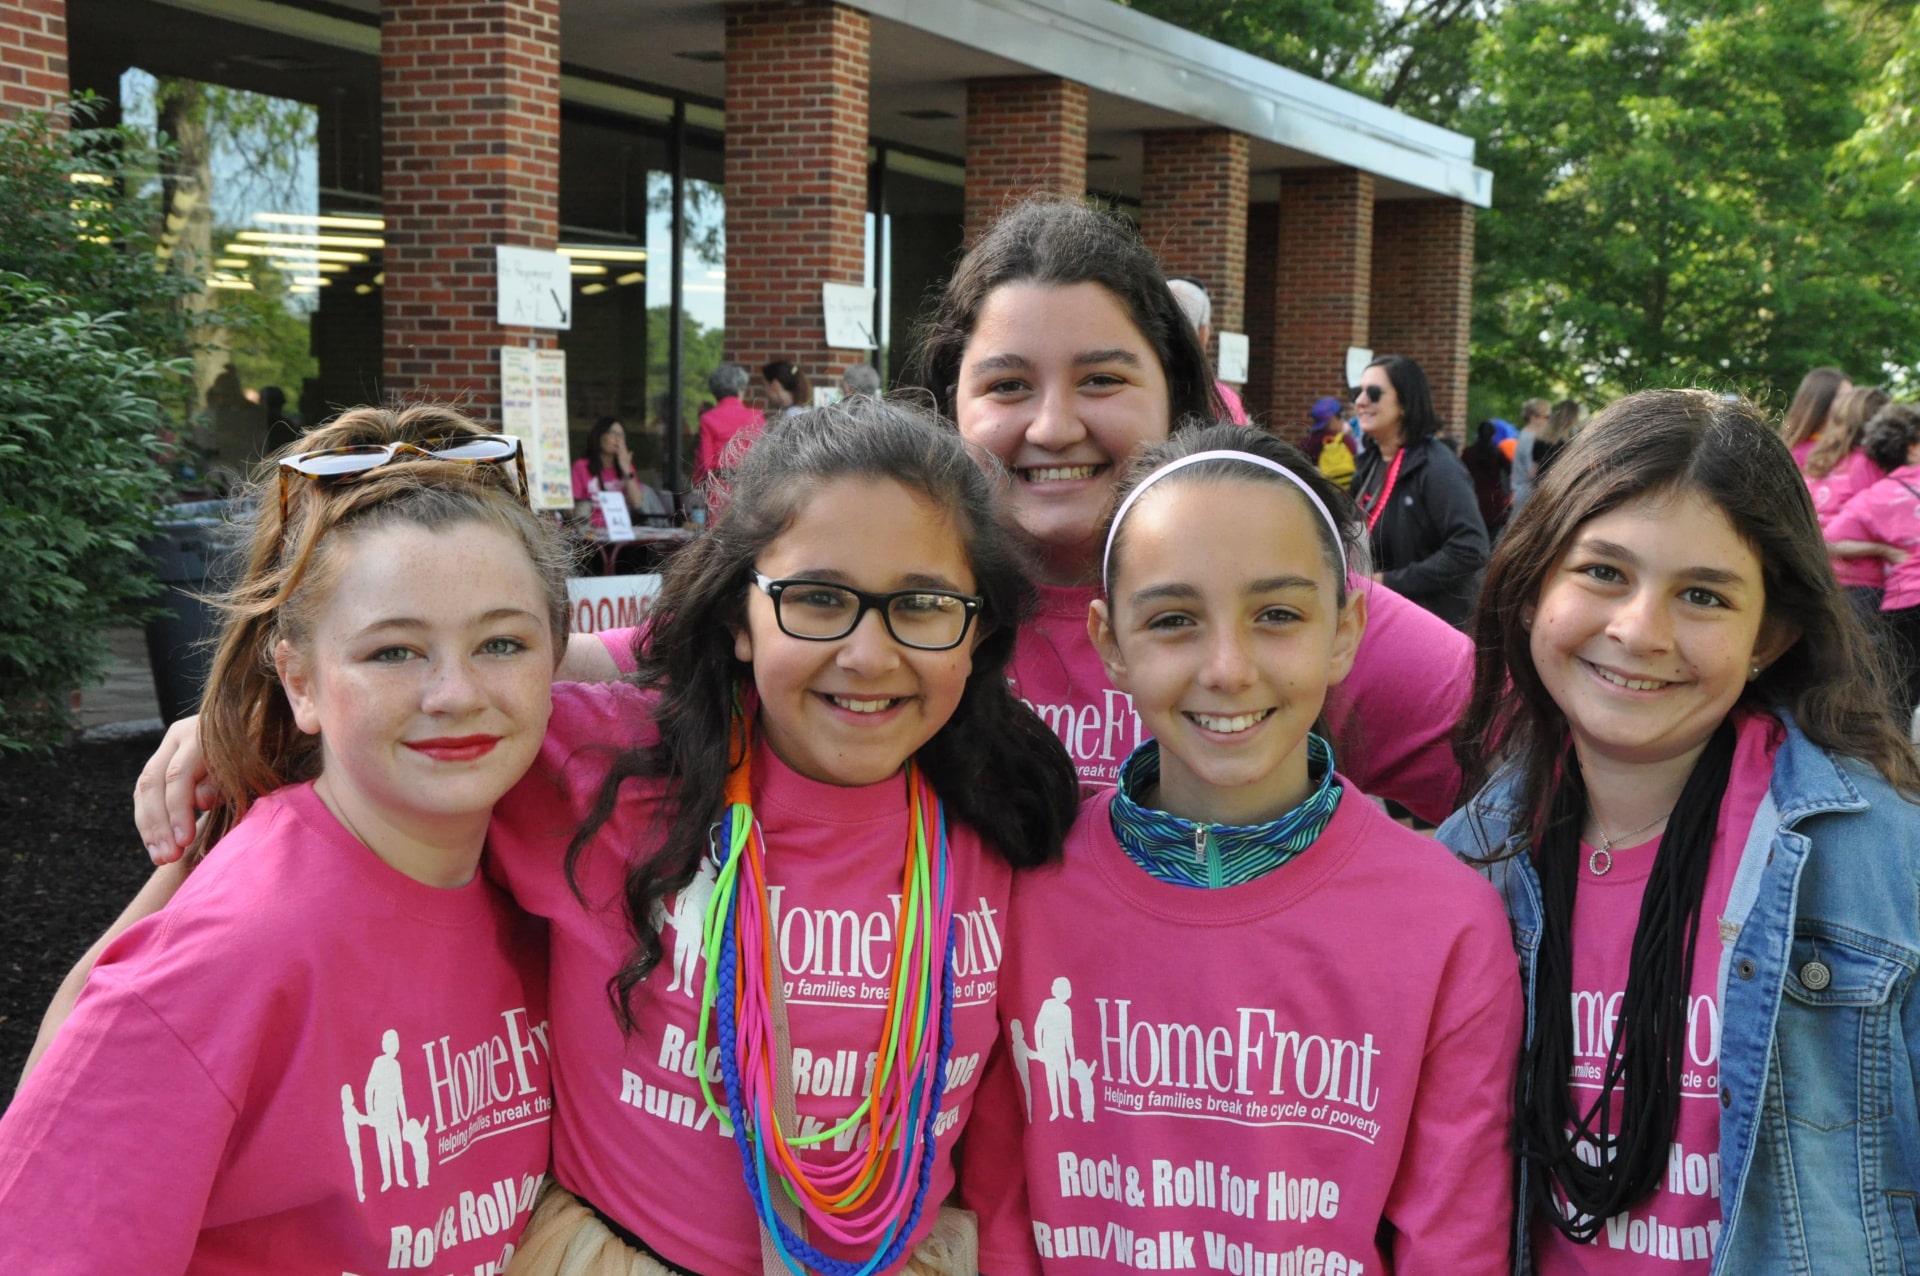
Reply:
x=533, y=407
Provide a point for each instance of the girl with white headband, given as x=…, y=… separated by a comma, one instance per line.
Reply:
x=1249, y=1022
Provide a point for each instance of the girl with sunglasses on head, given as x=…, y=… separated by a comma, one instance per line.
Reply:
x=1247, y=1012
x=277, y=1072
x=1702, y=821
x=784, y=858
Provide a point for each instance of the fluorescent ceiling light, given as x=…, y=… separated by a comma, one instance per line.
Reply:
x=588, y=252
x=318, y=241
x=322, y=220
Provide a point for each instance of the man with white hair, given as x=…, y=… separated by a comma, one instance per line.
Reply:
x=861, y=378
x=1198, y=308
x=728, y=419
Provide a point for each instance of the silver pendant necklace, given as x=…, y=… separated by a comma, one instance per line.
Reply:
x=1602, y=858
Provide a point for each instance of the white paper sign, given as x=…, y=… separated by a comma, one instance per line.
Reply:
x=1358, y=357
x=600, y=603
x=848, y=309
x=1234, y=352
x=534, y=288
x=613, y=508
x=533, y=407
x=825, y=396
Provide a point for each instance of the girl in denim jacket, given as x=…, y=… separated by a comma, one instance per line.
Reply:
x=1700, y=818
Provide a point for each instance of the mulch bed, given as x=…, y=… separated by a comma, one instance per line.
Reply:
x=69, y=862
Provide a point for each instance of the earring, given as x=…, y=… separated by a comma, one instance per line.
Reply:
x=1753, y=673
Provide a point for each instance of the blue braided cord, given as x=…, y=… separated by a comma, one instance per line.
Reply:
x=752, y=1156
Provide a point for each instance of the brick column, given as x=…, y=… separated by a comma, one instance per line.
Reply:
x=470, y=158
x=1026, y=135
x=1423, y=294
x=33, y=58
x=1193, y=213
x=796, y=178
x=1323, y=257
x=1263, y=244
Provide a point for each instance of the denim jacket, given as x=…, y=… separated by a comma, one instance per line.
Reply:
x=1819, y=1123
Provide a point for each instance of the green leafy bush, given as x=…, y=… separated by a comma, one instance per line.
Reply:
x=87, y=317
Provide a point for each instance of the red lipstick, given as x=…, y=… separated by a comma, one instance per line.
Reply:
x=465, y=748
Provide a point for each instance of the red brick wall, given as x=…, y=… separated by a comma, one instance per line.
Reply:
x=1423, y=294
x=1193, y=213
x=470, y=158
x=1323, y=258
x=1263, y=241
x=796, y=178
x=33, y=57
x=1025, y=135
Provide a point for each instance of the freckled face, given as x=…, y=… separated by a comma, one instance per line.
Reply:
x=1227, y=637
x=1060, y=385
x=1649, y=627
x=428, y=677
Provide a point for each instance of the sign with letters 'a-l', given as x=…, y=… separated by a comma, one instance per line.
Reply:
x=535, y=288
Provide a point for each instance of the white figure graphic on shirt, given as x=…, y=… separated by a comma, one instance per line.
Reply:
x=1053, y=1047
x=1083, y=1077
x=688, y=918
x=416, y=1136
x=351, y=1121
x=387, y=1110
x=1022, y=1056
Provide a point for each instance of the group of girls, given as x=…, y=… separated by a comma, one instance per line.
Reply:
x=817, y=898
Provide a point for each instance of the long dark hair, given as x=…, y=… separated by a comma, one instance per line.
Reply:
x=1676, y=441
x=596, y=440
x=1057, y=242
x=1811, y=403
x=1418, y=420
x=998, y=768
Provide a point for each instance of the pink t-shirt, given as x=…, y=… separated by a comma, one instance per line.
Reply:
x=1310, y=1072
x=1230, y=399
x=1803, y=449
x=720, y=425
x=1888, y=512
x=1830, y=495
x=1677, y=1227
x=633, y=1134
x=306, y=1062
x=1391, y=717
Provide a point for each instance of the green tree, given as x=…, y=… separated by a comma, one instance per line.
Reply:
x=84, y=307
x=1676, y=201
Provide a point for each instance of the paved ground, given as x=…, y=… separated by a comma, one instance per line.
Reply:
x=126, y=696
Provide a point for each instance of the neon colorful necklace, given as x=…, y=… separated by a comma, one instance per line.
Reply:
x=857, y=1198
x=1378, y=505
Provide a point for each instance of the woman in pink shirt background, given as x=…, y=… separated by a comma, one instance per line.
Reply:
x=1836, y=469
x=1882, y=524
x=1806, y=416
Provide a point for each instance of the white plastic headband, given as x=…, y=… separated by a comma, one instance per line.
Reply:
x=1106, y=559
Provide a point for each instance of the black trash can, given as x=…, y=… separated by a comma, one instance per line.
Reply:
x=192, y=555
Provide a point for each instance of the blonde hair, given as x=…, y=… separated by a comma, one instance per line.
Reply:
x=1560, y=422
x=247, y=730
x=1846, y=422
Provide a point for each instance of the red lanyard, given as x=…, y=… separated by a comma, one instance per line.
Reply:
x=1379, y=503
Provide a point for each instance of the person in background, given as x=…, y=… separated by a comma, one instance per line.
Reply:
x=1490, y=470
x=1327, y=444
x=1883, y=522
x=1429, y=541
x=1505, y=437
x=1533, y=419
x=1198, y=308
x=1806, y=416
x=861, y=378
x=1837, y=470
x=607, y=467
x=728, y=419
x=788, y=390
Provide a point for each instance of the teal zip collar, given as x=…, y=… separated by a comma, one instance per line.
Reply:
x=1184, y=853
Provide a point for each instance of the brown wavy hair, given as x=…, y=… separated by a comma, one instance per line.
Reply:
x=1811, y=404
x=1846, y=424
x=286, y=574
x=1670, y=442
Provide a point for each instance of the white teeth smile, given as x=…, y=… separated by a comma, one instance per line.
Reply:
x=864, y=706
x=1058, y=473
x=1631, y=684
x=1230, y=726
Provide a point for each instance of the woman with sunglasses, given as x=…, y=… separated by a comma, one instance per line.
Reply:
x=1429, y=542
x=333, y=1042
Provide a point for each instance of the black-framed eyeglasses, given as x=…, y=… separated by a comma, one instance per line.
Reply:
x=1371, y=393
x=344, y=464
x=821, y=611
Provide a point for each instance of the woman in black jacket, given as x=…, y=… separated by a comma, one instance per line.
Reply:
x=1429, y=542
